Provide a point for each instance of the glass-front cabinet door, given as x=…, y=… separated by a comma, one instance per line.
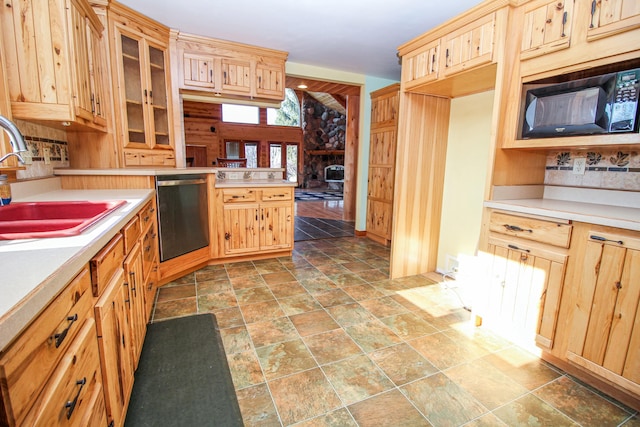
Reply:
x=133, y=89
x=158, y=95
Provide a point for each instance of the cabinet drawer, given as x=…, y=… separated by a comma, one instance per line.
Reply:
x=66, y=399
x=238, y=195
x=28, y=362
x=147, y=215
x=105, y=263
x=131, y=233
x=276, y=194
x=538, y=230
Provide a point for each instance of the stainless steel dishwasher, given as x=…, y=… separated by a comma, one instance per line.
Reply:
x=183, y=222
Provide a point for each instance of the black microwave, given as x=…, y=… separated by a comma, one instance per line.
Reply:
x=596, y=105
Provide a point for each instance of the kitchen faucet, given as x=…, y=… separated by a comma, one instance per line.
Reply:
x=17, y=140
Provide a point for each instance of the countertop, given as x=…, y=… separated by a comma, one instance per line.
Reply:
x=159, y=171
x=34, y=271
x=611, y=208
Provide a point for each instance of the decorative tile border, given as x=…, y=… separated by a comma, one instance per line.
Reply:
x=614, y=169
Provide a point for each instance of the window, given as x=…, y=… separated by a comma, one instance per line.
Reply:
x=242, y=150
x=285, y=155
x=289, y=112
x=232, y=113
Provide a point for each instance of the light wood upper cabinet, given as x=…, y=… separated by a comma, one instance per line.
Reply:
x=546, y=27
x=470, y=46
x=605, y=335
x=227, y=68
x=54, y=54
x=421, y=65
x=143, y=107
x=610, y=17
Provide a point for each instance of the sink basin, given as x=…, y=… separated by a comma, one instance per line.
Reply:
x=27, y=220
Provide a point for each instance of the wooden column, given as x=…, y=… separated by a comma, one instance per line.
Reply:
x=422, y=147
x=352, y=141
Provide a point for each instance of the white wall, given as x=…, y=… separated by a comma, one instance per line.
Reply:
x=465, y=176
x=369, y=84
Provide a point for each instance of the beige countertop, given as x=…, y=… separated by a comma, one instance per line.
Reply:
x=611, y=208
x=233, y=183
x=34, y=271
x=159, y=171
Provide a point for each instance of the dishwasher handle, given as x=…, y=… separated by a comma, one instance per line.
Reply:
x=174, y=182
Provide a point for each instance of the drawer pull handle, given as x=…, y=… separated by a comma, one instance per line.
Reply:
x=71, y=405
x=516, y=228
x=515, y=248
x=62, y=335
x=604, y=239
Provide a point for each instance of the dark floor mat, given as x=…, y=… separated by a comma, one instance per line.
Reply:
x=183, y=378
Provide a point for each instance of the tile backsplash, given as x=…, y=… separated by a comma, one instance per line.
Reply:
x=47, y=150
x=610, y=169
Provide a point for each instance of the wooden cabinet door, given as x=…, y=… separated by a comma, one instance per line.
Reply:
x=82, y=73
x=236, y=76
x=276, y=225
x=157, y=84
x=609, y=17
x=606, y=324
x=522, y=294
x=470, y=46
x=269, y=80
x=241, y=228
x=200, y=71
x=114, y=342
x=98, y=70
x=135, y=301
x=421, y=66
x=546, y=27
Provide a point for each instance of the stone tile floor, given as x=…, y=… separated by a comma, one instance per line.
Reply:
x=323, y=338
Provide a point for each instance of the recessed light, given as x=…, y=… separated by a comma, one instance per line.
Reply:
x=302, y=86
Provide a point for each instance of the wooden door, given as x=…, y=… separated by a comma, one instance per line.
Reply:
x=236, y=76
x=546, y=27
x=421, y=66
x=199, y=71
x=609, y=17
x=135, y=301
x=241, y=228
x=276, y=225
x=470, y=46
x=269, y=80
x=114, y=341
x=606, y=323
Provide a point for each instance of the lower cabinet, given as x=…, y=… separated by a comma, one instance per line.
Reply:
x=605, y=336
x=255, y=220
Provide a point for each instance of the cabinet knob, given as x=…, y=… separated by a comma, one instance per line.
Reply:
x=227, y=236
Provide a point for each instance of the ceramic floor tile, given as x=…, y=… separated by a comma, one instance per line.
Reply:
x=332, y=268
x=247, y=282
x=409, y=326
x=257, y=407
x=442, y=401
x=212, y=302
x=313, y=322
x=297, y=304
x=442, y=351
x=268, y=266
x=229, y=317
x=357, y=266
x=390, y=409
x=303, y=273
x=213, y=286
x=383, y=307
x=254, y=295
x=272, y=331
x=176, y=292
x=235, y=340
x=350, y=314
x=289, y=289
x=277, y=278
x=206, y=274
x=531, y=411
x=245, y=369
x=184, y=280
x=356, y=379
x=402, y=364
x=332, y=346
x=523, y=367
x=372, y=336
x=486, y=383
x=175, y=308
x=580, y=403
x=344, y=280
x=362, y=292
x=334, y=297
x=337, y=418
x=478, y=336
x=243, y=268
x=372, y=275
x=302, y=396
x=285, y=358
x=318, y=285
x=261, y=311
x=487, y=420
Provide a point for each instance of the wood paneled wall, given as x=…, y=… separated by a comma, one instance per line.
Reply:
x=419, y=182
x=352, y=141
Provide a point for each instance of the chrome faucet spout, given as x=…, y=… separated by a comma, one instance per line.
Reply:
x=18, y=144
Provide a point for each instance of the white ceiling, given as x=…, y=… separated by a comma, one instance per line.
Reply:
x=360, y=36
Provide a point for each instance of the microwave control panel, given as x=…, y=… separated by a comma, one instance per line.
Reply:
x=624, y=106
